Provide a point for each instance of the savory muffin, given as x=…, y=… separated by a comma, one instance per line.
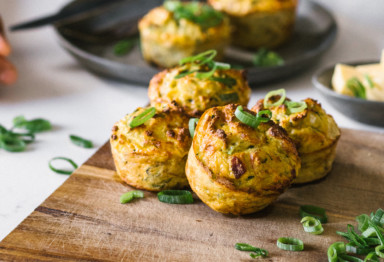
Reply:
x=179, y=29
x=313, y=131
x=235, y=168
x=262, y=23
x=196, y=94
x=152, y=156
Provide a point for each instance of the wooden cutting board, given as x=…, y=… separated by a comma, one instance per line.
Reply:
x=83, y=219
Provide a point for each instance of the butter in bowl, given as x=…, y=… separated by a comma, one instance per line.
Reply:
x=355, y=89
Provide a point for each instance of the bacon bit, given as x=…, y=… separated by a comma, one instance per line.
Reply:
x=221, y=133
x=238, y=167
x=170, y=133
x=149, y=133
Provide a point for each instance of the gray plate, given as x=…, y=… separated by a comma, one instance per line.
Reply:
x=91, y=42
x=365, y=111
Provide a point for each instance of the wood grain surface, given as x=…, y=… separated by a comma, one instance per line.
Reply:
x=84, y=221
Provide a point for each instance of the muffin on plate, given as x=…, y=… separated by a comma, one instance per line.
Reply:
x=180, y=29
x=238, y=169
x=314, y=133
x=152, y=155
x=262, y=23
x=197, y=86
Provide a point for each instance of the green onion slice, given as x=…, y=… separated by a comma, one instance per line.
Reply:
x=129, y=196
x=175, y=197
x=33, y=126
x=62, y=171
x=267, y=58
x=379, y=215
x=347, y=258
x=312, y=225
x=362, y=222
x=257, y=251
x=261, y=118
x=352, y=248
x=380, y=251
x=204, y=75
x=335, y=250
x=246, y=117
x=280, y=92
x=356, y=87
x=123, y=47
x=314, y=211
x=229, y=97
x=295, y=107
x=202, y=58
x=378, y=232
x=369, y=80
x=143, y=117
x=228, y=81
x=192, y=125
x=290, y=244
x=81, y=141
x=11, y=143
x=371, y=257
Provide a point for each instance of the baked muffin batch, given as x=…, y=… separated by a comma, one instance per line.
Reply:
x=236, y=160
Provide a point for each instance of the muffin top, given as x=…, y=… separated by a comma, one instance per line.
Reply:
x=261, y=160
x=311, y=129
x=163, y=135
x=195, y=22
x=196, y=94
x=245, y=7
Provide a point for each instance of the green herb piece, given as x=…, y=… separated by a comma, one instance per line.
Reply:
x=228, y=81
x=348, y=258
x=378, y=217
x=200, y=59
x=352, y=248
x=229, y=97
x=123, y=47
x=175, y=197
x=201, y=14
x=129, y=196
x=356, y=87
x=34, y=126
x=314, y=211
x=278, y=92
x=251, y=120
x=369, y=80
x=267, y=58
x=371, y=257
x=362, y=222
x=295, y=107
x=257, y=252
x=192, y=126
x=379, y=250
x=62, y=171
x=335, y=250
x=312, y=225
x=143, y=117
x=11, y=143
x=81, y=142
x=290, y=244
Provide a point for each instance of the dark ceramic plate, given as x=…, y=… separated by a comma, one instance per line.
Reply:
x=364, y=111
x=91, y=42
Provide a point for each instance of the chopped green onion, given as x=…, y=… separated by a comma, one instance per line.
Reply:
x=129, y=196
x=181, y=75
x=175, y=197
x=371, y=257
x=312, y=225
x=335, y=250
x=378, y=232
x=314, y=211
x=362, y=222
x=267, y=58
x=202, y=58
x=33, y=126
x=379, y=215
x=81, y=141
x=11, y=143
x=205, y=75
x=62, y=171
x=229, y=97
x=26, y=137
x=260, y=116
x=222, y=66
x=279, y=92
x=347, y=258
x=192, y=125
x=246, y=117
x=123, y=47
x=143, y=117
x=369, y=232
x=380, y=251
x=356, y=87
x=295, y=107
x=290, y=244
x=228, y=81
x=257, y=251
x=369, y=80
x=352, y=248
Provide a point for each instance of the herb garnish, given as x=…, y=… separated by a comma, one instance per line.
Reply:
x=123, y=47
x=255, y=251
x=267, y=58
x=356, y=87
x=81, y=141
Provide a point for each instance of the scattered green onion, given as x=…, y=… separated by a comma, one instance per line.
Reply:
x=314, y=211
x=379, y=251
x=312, y=225
x=192, y=125
x=143, y=117
x=229, y=97
x=228, y=81
x=11, y=143
x=280, y=92
x=246, y=117
x=335, y=250
x=129, y=196
x=356, y=87
x=378, y=217
x=362, y=222
x=257, y=252
x=81, y=141
x=347, y=258
x=290, y=244
x=123, y=47
x=175, y=197
x=371, y=257
x=369, y=80
x=295, y=107
x=200, y=59
x=34, y=126
x=267, y=58
x=352, y=248
x=261, y=118
x=62, y=171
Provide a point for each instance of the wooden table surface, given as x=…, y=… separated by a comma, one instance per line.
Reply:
x=84, y=221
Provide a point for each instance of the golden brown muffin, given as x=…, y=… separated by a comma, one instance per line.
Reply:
x=262, y=23
x=197, y=95
x=235, y=168
x=166, y=38
x=152, y=156
x=313, y=131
